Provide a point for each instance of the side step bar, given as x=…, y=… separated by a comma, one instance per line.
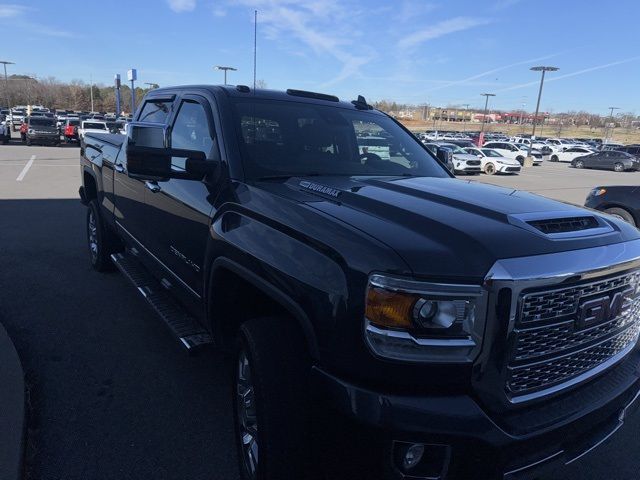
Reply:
x=183, y=326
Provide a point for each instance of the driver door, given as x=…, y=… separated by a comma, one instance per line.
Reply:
x=179, y=209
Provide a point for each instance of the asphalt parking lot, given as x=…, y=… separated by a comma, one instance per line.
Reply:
x=111, y=394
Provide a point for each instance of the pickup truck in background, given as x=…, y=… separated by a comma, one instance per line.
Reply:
x=384, y=319
x=91, y=126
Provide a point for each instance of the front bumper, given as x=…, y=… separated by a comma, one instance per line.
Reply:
x=42, y=138
x=508, y=168
x=480, y=445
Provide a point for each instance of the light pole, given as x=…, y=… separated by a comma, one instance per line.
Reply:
x=611, y=117
x=225, y=69
x=152, y=85
x=535, y=117
x=6, y=81
x=486, y=106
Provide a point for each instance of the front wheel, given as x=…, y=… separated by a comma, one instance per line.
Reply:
x=554, y=158
x=28, y=142
x=520, y=159
x=622, y=214
x=271, y=402
x=101, y=241
x=618, y=167
x=489, y=169
x=579, y=164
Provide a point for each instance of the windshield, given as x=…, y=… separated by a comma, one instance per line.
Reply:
x=94, y=126
x=42, y=122
x=287, y=138
x=490, y=152
x=455, y=148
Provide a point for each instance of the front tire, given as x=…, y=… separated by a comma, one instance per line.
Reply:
x=271, y=400
x=579, y=164
x=554, y=158
x=101, y=241
x=490, y=169
x=622, y=214
x=520, y=160
x=618, y=167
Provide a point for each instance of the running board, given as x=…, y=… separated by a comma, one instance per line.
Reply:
x=182, y=325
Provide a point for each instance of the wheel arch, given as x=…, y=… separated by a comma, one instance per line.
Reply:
x=265, y=299
x=90, y=184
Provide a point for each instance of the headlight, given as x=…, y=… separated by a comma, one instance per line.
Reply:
x=31, y=130
x=596, y=192
x=417, y=321
x=501, y=162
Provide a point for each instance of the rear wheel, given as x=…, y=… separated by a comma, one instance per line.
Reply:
x=554, y=158
x=622, y=214
x=578, y=164
x=489, y=169
x=271, y=402
x=618, y=167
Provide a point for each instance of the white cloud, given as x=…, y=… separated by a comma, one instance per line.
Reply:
x=219, y=12
x=555, y=77
x=327, y=27
x=440, y=29
x=180, y=6
x=11, y=10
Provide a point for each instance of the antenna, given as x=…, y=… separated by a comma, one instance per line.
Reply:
x=255, y=45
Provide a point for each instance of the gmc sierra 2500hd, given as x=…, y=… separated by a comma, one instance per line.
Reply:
x=383, y=316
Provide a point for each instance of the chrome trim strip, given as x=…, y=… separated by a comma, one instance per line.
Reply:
x=404, y=285
x=422, y=342
x=191, y=290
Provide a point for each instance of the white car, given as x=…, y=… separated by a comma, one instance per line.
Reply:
x=570, y=153
x=493, y=162
x=560, y=144
x=463, y=162
x=92, y=126
x=537, y=144
x=514, y=151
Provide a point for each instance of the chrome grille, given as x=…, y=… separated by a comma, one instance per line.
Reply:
x=549, y=349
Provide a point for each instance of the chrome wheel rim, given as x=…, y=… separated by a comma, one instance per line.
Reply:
x=247, y=418
x=93, y=236
x=618, y=167
x=579, y=164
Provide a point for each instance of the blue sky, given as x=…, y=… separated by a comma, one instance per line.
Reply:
x=440, y=52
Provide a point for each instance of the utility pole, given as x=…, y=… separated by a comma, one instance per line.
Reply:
x=91, y=90
x=486, y=106
x=132, y=76
x=535, y=117
x=225, y=70
x=6, y=82
x=611, y=117
x=116, y=81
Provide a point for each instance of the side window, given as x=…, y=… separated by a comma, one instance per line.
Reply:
x=155, y=111
x=190, y=131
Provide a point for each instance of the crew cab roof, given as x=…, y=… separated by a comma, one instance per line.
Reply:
x=240, y=91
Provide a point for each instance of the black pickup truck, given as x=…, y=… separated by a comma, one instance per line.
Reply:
x=386, y=320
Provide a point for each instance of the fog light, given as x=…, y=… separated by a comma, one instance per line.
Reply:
x=412, y=456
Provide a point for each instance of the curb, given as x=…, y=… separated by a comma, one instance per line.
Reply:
x=12, y=410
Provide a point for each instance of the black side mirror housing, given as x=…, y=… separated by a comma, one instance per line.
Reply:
x=149, y=158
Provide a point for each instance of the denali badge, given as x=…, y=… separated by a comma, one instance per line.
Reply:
x=601, y=309
x=319, y=188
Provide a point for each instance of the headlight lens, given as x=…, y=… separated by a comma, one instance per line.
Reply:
x=596, y=192
x=424, y=322
x=31, y=130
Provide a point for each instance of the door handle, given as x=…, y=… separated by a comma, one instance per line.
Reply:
x=119, y=168
x=153, y=186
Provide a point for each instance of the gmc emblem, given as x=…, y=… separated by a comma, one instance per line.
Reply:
x=601, y=309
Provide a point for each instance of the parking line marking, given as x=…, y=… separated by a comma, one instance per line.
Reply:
x=26, y=168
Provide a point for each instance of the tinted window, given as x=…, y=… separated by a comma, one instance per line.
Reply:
x=191, y=131
x=94, y=126
x=155, y=111
x=309, y=138
x=42, y=122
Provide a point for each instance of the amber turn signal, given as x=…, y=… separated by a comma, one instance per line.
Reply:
x=389, y=309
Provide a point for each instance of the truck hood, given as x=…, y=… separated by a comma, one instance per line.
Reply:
x=443, y=227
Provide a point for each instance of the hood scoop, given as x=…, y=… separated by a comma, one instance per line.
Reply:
x=559, y=225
